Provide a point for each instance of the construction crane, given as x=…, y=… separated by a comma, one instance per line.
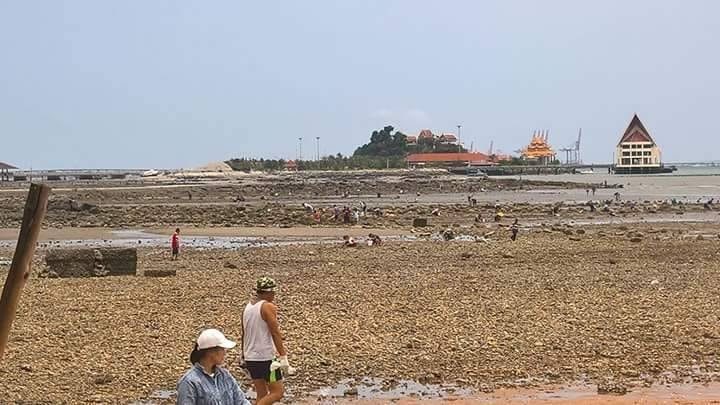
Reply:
x=572, y=153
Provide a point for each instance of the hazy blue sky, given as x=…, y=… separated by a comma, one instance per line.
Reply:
x=178, y=83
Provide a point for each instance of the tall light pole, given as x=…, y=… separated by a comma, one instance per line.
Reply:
x=300, y=148
x=459, y=146
x=317, y=146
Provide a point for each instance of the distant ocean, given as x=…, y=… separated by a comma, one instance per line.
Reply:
x=699, y=169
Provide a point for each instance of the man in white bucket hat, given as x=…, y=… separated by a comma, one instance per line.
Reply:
x=263, y=348
x=206, y=383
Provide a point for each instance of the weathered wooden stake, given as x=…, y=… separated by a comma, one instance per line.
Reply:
x=35, y=208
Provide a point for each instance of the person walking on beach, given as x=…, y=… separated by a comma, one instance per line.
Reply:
x=514, y=228
x=175, y=243
x=263, y=349
x=206, y=383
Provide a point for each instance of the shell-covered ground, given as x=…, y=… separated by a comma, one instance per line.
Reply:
x=639, y=306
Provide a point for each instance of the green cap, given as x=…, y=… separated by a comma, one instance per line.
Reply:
x=265, y=284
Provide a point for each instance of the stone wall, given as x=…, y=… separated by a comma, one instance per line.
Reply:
x=89, y=262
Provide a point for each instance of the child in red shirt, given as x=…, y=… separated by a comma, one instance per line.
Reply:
x=175, y=243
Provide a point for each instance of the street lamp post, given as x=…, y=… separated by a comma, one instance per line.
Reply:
x=317, y=146
x=300, y=148
x=459, y=146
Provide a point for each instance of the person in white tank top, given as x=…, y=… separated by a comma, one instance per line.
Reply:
x=263, y=349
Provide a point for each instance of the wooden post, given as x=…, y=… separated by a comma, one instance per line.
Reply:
x=35, y=208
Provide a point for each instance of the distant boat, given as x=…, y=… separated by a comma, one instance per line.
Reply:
x=586, y=171
x=150, y=173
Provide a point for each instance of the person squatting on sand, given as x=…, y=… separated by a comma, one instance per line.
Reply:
x=206, y=383
x=263, y=349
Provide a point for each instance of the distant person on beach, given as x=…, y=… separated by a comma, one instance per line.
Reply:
x=514, y=228
x=349, y=241
x=594, y=189
x=206, y=383
x=175, y=243
x=263, y=349
x=374, y=240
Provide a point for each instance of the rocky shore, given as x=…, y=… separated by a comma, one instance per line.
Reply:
x=620, y=307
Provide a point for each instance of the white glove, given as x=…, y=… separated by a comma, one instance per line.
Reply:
x=284, y=364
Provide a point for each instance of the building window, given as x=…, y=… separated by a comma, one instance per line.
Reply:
x=646, y=153
x=626, y=161
x=626, y=153
x=625, y=146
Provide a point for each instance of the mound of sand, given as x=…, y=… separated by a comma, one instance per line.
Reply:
x=213, y=167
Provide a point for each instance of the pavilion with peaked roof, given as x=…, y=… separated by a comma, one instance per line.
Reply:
x=636, y=151
x=5, y=171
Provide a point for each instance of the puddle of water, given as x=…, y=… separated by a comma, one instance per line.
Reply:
x=377, y=388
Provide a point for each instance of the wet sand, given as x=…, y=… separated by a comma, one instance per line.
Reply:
x=682, y=394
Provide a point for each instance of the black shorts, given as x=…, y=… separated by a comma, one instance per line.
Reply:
x=260, y=370
x=175, y=251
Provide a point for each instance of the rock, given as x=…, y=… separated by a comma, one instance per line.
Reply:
x=636, y=239
x=159, y=273
x=610, y=387
x=103, y=379
x=229, y=265
x=466, y=255
x=91, y=262
x=26, y=367
x=575, y=239
x=655, y=282
x=420, y=222
x=507, y=255
x=351, y=392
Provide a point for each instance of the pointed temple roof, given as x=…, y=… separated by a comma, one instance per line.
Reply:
x=425, y=134
x=636, y=132
x=538, y=147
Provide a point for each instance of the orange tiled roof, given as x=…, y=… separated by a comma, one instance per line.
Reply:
x=425, y=133
x=447, y=157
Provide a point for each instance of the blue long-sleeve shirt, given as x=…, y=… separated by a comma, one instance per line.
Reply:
x=197, y=387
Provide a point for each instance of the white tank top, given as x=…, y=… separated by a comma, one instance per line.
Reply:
x=257, y=340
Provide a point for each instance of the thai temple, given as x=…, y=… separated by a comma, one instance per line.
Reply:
x=539, y=149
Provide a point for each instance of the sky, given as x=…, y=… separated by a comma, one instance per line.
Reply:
x=177, y=84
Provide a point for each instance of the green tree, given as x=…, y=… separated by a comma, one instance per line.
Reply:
x=384, y=143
